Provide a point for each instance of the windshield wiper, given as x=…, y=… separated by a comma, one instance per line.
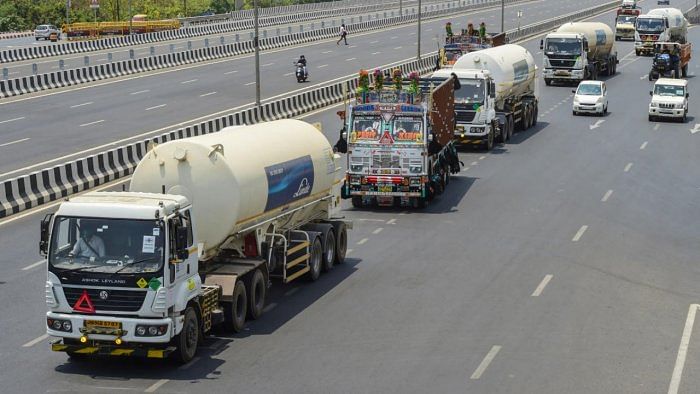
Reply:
x=133, y=263
x=81, y=268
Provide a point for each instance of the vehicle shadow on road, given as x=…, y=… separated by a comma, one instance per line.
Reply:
x=448, y=201
x=522, y=136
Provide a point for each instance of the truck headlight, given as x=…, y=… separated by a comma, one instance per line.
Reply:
x=354, y=180
x=475, y=129
x=653, y=105
x=50, y=295
x=67, y=326
x=59, y=325
x=416, y=169
x=414, y=182
x=151, y=331
x=140, y=331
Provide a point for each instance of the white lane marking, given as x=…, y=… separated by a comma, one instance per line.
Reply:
x=376, y=53
x=644, y=76
x=189, y=81
x=294, y=290
x=607, y=195
x=347, y=252
x=156, y=107
x=14, y=142
x=596, y=125
x=394, y=37
x=391, y=221
x=683, y=350
x=288, y=74
x=373, y=42
x=542, y=285
x=207, y=94
x=485, y=362
x=352, y=46
x=250, y=83
x=644, y=145
x=140, y=91
x=579, y=233
x=270, y=307
x=268, y=64
x=474, y=163
x=349, y=60
x=378, y=230
x=92, y=123
x=325, y=52
x=695, y=129
x=155, y=386
x=482, y=157
x=398, y=48
x=11, y=120
x=35, y=341
x=628, y=167
x=656, y=126
x=362, y=241
x=230, y=72
x=323, y=65
x=81, y=105
x=189, y=364
x=30, y=266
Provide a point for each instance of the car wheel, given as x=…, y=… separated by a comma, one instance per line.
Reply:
x=575, y=113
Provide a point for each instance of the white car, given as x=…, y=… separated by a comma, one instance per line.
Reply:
x=44, y=31
x=591, y=97
x=669, y=99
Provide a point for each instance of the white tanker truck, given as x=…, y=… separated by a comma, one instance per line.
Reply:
x=206, y=225
x=659, y=25
x=497, y=94
x=578, y=51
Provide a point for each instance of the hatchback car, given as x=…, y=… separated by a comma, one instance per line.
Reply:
x=45, y=31
x=590, y=97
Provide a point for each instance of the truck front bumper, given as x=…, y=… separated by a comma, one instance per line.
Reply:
x=590, y=108
x=96, y=348
x=563, y=75
x=666, y=112
x=386, y=186
x=107, y=329
x=470, y=134
x=644, y=47
x=625, y=34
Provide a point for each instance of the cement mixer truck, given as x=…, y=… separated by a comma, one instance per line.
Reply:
x=497, y=94
x=578, y=51
x=208, y=223
x=659, y=25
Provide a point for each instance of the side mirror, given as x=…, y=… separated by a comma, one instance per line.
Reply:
x=687, y=95
x=573, y=90
x=651, y=93
x=44, y=239
x=541, y=44
x=585, y=46
x=181, y=242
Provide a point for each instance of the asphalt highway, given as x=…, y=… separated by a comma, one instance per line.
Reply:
x=47, y=128
x=563, y=261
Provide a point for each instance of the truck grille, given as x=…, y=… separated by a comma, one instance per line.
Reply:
x=118, y=300
x=666, y=105
x=465, y=116
x=562, y=63
x=385, y=161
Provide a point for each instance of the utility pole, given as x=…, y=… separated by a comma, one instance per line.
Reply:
x=400, y=7
x=420, y=12
x=67, y=14
x=257, y=55
x=130, y=18
x=185, y=7
x=503, y=12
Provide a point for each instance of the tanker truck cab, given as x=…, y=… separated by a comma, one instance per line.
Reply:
x=121, y=271
x=648, y=30
x=669, y=99
x=565, y=57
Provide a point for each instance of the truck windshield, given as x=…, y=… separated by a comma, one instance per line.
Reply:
x=568, y=46
x=626, y=19
x=452, y=55
x=471, y=92
x=669, y=90
x=365, y=128
x=650, y=25
x=106, y=245
x=408, y=129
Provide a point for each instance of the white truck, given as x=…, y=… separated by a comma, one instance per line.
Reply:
x=669, y=99
x=659, y=25
x=208, y=222
x=497, y=94
x=578, y=51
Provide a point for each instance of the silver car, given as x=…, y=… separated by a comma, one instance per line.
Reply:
x=45, y=31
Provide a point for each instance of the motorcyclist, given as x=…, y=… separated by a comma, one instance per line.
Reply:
x=302, y=61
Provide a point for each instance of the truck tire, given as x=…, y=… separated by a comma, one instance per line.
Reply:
x=684, y=71
x=315, y=260
x=636, y=52
x=341, y=247
x=547, y=81
x=236, y=310
x=511, y=126
x=651, y=75
x=357, y=202
x=490, y=140
x=187, y=340
x=258, y=294
x=651, y=118
x=329, y=244
x=535, y=115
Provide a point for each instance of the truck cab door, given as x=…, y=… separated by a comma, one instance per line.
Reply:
x=186, y=265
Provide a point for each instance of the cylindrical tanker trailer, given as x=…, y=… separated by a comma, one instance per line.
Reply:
x=207, y=223
x=659, y=25
x=578, y=51
x=497, y=94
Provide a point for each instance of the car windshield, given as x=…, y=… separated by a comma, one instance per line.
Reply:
x=589, y=89
x=42, y=27
x=471, y=92
x=569, y=46
x=408, y=129
x=106, y=245
x=669, y=90
x=650, y=25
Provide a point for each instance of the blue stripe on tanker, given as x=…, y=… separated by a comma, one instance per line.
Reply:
x=289, y=181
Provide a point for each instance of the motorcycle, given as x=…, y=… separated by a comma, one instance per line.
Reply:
x=302, y=74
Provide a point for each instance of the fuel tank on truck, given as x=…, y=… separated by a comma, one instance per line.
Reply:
x=242, y=176
x=511, y=66
x=599, y=35
x=677, y=24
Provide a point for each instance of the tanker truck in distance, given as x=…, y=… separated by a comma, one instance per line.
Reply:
x=399, y=144
x=208, y=222
x=578, y=51
x=659, y=25
x=497, y=94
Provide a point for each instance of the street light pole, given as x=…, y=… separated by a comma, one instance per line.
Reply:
x=130, y=18
x=419, y=20
x=503, y=11
x=257, y=55
x=67, y=14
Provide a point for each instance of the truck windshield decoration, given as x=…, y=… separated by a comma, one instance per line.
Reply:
x=569, y=46
x=669, y=91
x=650, y=25
x=365, y=129
x=471, y=92
x=113, y=246
x=408, y=129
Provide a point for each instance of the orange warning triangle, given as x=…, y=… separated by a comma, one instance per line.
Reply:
x=85, y=298
x=386, y=138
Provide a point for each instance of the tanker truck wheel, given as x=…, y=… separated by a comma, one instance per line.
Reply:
x=186, y=342
x=258, y=292
x=534, y=116
x=547, y=81
x=235, y=311
x=329, y=243
x=490, y=140
x=315, y=260
x=357, y=202
x=341, y=240
x=684, y=71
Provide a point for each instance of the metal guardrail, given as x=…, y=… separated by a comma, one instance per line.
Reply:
x=50, y=184
x=693, y=15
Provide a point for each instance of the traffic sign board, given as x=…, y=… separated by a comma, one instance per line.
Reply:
x=94, y=4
